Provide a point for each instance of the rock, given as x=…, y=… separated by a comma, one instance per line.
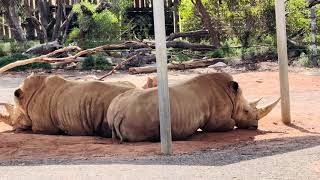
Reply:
x=218, y=65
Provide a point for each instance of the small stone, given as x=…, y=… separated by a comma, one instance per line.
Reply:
x=218, y=65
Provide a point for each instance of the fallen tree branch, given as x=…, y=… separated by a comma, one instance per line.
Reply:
x=182, y=66
x=199, y=33
x=186, y=45
x=46, y=58
x=126, y=45
x=43, y=58
x=118, y=66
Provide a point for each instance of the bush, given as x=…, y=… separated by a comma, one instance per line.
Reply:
x=3, y=51
x=100, y=27
x=16, y=47
x=15, y=57
x=304, y=60
x=98, y=61
x=216, y=54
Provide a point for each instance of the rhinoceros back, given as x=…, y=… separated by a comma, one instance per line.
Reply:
x=75, y=108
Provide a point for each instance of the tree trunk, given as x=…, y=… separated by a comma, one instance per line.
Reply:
x=60, y=14
x=176, y=16
x=199, y=33
x=44, y=12
x=207, y=22
x=14, y=22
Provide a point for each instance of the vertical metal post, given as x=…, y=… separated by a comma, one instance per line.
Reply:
x=283, y=61
x=162, y=74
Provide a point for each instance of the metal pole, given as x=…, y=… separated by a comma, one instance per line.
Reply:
x=283, y=60
x=162, y=73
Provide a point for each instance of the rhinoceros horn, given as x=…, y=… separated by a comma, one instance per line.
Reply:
x=7, y=118
x=255, y=103
x=265, y=110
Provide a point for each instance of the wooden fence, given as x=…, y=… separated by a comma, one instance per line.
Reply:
x=139, y=7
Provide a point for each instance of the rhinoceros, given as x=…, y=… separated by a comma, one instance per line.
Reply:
x=53, y=105
x=211, y=102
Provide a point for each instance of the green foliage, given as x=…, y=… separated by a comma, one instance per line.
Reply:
x=73, y=35
x=219, y=53
x=13, y=47
x=102, y=26
x=16, y=47
x=15, y=57
x=119, y=6
x=304, y=60
x=97, y=61
x=189, y=20
x=247, y=20
x=3, y=51
x=298, y=16
x=180, y=57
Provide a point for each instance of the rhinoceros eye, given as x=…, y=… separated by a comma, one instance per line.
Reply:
x=246, y=111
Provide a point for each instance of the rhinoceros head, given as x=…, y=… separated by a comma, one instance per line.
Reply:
x=246, y=114
x=17, y=115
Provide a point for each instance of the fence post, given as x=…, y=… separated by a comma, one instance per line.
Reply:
x=283, y=60
x=162, y=74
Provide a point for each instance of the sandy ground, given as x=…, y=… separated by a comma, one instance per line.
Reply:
x=305, y=103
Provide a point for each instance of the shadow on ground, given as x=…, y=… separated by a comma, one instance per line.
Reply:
x=226, y=155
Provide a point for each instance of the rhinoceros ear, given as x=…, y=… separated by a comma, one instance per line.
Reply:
x=234, y=86
x=18, y=93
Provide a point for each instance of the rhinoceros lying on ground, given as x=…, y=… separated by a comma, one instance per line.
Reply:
x=212, y=102
x=53, y=105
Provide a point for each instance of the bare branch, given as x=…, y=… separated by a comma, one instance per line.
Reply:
x=44, y=58
x=118, y=66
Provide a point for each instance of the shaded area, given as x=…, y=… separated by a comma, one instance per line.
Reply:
x=230, y=154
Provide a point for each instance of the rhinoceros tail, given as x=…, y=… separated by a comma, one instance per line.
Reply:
x=116, y=133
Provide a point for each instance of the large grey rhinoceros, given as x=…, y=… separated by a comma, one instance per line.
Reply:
x=211, y=102
x=53, y=105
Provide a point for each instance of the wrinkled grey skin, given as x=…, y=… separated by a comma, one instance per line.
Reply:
x=212, y=102
x=53, y=105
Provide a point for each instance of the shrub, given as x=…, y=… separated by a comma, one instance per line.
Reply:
x=98, y=61
x=304, y=60
x=3, y=51
x=96, y=29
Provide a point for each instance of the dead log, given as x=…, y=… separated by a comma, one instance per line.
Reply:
x=191, y=46
x=199, y=33
x=48, y=57
x=186, y=45
x=182, y=66
x=43, y=48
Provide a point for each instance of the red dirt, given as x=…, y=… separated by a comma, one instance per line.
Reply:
x=305, y=95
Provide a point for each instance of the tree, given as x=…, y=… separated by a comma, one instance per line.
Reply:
x=10, y=10
x=211, y=24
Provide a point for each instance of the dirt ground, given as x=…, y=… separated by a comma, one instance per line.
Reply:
x=305, y=105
